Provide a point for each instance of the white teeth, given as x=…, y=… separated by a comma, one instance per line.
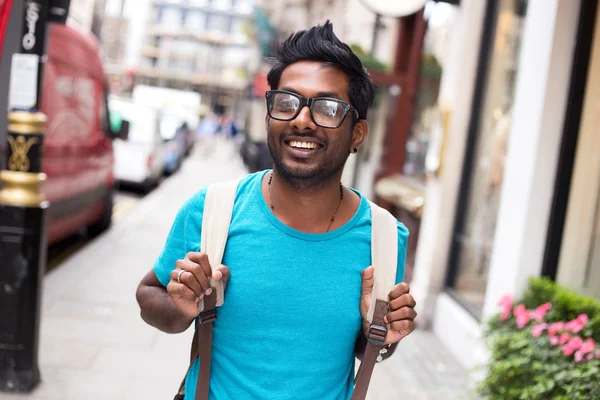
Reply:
x=303, y=145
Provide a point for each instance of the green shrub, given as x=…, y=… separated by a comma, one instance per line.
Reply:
x=541, y=359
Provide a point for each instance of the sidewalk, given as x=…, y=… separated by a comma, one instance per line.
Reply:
x=94, y=345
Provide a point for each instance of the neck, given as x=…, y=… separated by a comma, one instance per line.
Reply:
x=309, y=209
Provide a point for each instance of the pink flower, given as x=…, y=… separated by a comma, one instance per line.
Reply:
x=541, y=311
x=583, y=319
x=564, y=338
x=520, y=310
x=555, y=328
x=537, y=330
x=588, y=346
x=577, y=324
x=554, y=340
x=522, y=316
x=575, y=342
x=506, y=304
x=568, y=350
x=505, y=300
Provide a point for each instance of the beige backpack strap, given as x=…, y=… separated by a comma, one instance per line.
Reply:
x=216, y=217
x=384, y=257
x=218, y=207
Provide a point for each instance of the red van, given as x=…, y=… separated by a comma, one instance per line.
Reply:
x=78, y=151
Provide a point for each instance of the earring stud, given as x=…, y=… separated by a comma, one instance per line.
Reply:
x=355, y=150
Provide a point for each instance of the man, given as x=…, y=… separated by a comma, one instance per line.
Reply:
x=298, y=252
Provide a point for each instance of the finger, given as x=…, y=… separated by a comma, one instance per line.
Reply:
x=186, y=278
x=404, y=313
x=197, y=271
x=179, y=290
x=221, y=273
x=368, y=278
x=399, y=290
x=202, y=260
x=406, y=300
x=405, y=326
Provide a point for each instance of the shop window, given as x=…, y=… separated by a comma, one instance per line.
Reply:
x=579, y=259
x=484, y=167
x=427, y=114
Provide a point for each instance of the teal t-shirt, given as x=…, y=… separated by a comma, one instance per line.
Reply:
x=291, y=315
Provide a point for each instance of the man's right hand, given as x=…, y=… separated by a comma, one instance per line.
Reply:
x=190, y=282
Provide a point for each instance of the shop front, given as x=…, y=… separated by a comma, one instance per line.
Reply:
x=485, y=226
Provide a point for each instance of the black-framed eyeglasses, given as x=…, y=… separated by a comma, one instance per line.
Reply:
x=325, y=112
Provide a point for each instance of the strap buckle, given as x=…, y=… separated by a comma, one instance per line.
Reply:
x=377, y=334
x=207, y=316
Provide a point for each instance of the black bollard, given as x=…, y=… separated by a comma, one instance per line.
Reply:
x=23, y=210
x=23, y=253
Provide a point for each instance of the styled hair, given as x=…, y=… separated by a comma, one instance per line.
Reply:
x=319, y=43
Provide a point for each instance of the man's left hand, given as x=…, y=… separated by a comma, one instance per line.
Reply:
x=401, y=316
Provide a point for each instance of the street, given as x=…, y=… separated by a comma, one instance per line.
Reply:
x=94, y=345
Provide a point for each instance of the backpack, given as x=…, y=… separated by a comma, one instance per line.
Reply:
x=218, y=208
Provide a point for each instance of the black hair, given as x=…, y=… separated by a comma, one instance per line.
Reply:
x=319, y=43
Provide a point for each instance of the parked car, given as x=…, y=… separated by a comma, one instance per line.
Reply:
x=78, y=151
x=139, y=160
x=183, y=104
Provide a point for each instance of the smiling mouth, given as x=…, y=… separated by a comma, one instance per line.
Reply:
x=303, y=145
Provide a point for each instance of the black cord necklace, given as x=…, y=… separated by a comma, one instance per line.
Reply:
x=332, y=218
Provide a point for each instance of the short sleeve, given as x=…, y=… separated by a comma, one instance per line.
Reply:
x=402, y=245
x=183, y=237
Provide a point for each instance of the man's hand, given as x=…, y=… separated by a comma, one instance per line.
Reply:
x=190, y=282
x=401, y=316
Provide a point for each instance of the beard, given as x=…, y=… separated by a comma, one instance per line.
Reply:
x=312, y=176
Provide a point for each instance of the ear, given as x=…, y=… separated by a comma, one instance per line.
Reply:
x=359, y=134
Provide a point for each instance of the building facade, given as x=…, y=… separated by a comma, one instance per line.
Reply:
x=519, y=190
x=198, y=45
x=81, y=14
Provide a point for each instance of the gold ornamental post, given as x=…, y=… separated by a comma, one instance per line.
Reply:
x=22, y=180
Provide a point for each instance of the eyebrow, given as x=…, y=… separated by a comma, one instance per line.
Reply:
x=320, y=94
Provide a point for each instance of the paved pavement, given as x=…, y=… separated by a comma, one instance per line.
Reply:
x=94, y=345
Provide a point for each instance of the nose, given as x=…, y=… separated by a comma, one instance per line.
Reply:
x=303, y=121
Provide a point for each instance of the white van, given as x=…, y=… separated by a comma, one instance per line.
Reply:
x=139, y=160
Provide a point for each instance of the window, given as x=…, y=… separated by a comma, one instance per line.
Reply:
x=238, y=31
x=198, y=3
x=171, y=17
x=218, y=23
x=244, y=6
x=426, y=115
x=478, y=206
x=195, y=21
x=221, y=4
x=579, y=257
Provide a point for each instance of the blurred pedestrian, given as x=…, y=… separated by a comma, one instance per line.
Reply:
x=299, y=247
x=206, y=132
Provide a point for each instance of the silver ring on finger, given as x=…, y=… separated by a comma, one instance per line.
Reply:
x=179, y=275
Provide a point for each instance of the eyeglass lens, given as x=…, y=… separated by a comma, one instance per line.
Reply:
x=327, y=113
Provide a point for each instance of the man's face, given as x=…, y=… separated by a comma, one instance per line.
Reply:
x=302, y=151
